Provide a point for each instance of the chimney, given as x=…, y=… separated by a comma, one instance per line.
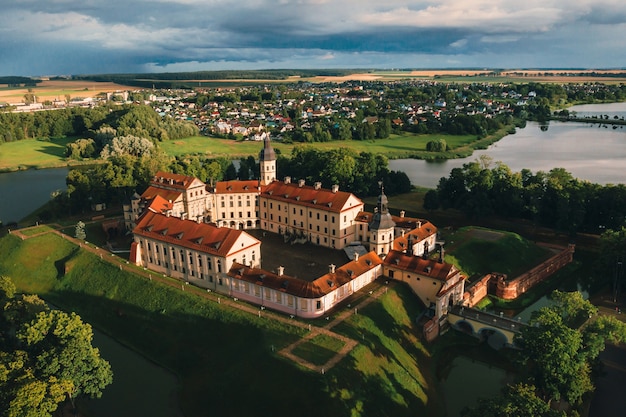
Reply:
x=281, y=270
x=331, y=268
x=287, y=180
x=356, y=256
x=403, y=231
x=419, y=224
x=335, y=188
x=301, y=183
x=402, y=212
x=317, y=185
x=442, y=253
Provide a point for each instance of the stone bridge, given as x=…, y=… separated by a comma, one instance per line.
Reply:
x=499, y=331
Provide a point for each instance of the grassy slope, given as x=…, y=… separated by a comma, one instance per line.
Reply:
x=218, y=352
x=510, y=254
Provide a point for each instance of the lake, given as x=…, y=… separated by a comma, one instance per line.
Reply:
x=592, y=152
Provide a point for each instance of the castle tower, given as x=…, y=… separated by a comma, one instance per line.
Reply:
x=267, y=162
x=381, y=228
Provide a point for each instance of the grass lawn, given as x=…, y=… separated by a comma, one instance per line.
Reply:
x=477, y=251
x=319, y=350
x=216, y=350
x=38, y=153
x=31, y=231
x=390, y=354
x=33, y=153
x=396, y=146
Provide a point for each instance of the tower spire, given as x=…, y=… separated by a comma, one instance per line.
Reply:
x=267, y=162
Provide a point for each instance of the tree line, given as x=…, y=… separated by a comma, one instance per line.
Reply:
x=127, y=120
x=554, y=199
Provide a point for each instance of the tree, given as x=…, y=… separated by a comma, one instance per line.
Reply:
x=127, y=145
x=519, y=400
x=559, y=352
x=437, y=145
x=45, y=357
x=431, y=200
x=552, y=350
x=80, y=233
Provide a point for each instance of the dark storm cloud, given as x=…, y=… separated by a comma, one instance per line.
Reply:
x=95, y=36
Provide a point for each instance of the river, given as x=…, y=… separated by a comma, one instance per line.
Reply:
x=140, y=388
x=25, y=191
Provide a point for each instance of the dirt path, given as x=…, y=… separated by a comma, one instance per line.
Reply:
x=287, y=352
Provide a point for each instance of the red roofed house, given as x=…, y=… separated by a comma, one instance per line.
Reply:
x=192, y=251
x=299, y=297
x=437, y=284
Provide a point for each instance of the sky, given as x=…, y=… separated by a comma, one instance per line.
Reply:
x=64, y=37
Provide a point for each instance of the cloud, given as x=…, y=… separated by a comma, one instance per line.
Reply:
x=100, y=36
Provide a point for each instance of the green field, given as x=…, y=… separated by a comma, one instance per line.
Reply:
x=396, y=146
x=39, y=153
x=33, y=153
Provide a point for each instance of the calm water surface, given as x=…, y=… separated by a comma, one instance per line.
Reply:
x=140, y=388
x=25, y=191
x=592, y=152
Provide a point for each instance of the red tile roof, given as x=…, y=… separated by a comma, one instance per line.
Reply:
x=304, y=289
x=160, y=205
x=306, y=195
x=420, y=266
x=187, y=233
x=417, y=235
x=178, y=180
x=169, y=195
x=226, y=187
x=400, y=221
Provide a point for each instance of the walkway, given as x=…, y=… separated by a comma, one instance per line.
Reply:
x=287, y=352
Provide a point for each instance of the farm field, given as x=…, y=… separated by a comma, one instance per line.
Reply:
x=59, y=89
